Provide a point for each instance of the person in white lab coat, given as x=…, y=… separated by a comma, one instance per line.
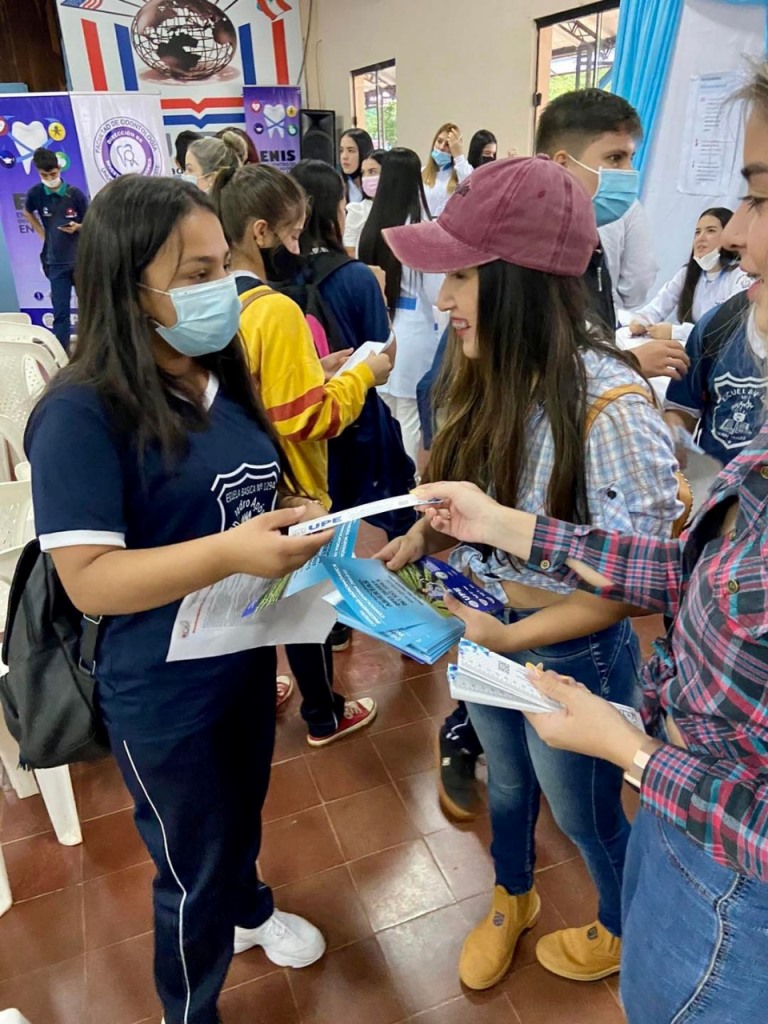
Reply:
x=354, y=146
x=410, y=296
x=710, y=276
x=631, y=257
x=357, y=213
x=446, y=166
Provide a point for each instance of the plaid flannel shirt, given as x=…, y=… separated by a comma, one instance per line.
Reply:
x=713, y=678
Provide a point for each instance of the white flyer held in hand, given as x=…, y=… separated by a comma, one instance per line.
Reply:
x=484, y=677
x=373, y=508
x=368, y=348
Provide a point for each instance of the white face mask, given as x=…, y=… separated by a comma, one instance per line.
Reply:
x=709, y=260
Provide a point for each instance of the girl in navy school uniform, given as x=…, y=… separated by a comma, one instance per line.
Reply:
x=146, y=451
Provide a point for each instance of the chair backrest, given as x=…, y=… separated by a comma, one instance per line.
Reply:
x=15, y=318
x=15, y=509
x=16, y=330
x=25, y=369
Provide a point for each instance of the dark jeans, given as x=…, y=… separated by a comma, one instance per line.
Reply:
x=695, y=938
x=584, y=793
x=198, y=804
x=312, y=665
x=62, y=283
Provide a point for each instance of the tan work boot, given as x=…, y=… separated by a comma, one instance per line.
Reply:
x=489, y=948
x=588, y=953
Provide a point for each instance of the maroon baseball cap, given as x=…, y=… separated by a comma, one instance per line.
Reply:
x=528, y=210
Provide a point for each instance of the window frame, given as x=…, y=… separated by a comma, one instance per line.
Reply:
x=369, y=69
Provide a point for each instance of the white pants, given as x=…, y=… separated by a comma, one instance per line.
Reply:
x=406, y=412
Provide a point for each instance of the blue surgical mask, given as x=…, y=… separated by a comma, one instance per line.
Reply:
x=207, y=317
x=441, y=159
x=616, y=192
x=191, y=178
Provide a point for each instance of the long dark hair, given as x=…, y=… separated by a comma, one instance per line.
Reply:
x=400, y=198
x=377, y=155
x=364, y=144
x=127, y=225
x=532, y=332
x=325, y=188
x=479, y=141
x=728, y=261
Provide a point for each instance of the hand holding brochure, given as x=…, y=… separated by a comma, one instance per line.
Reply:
x=368, y=348
x=483, y=677
x=373, y=508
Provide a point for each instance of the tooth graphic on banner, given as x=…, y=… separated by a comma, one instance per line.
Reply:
x=28, y=138
x=274, y=115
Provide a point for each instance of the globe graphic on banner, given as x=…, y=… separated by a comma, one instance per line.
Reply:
x=184, y=39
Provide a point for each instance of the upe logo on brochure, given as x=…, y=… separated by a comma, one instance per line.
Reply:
x=125, y=146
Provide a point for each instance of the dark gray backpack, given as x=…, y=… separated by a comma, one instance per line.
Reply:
x=47, y=695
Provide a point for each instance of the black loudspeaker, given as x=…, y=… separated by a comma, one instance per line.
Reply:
x=318, y=135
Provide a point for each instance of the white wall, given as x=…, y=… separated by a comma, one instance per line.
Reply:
x=469, y=62
x=713, y=37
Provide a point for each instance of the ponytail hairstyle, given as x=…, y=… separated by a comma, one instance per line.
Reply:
x=728, y=260
x=430, y=167
x=215, y=155
x=324, y=187
x=242, y=142
x=256, y=192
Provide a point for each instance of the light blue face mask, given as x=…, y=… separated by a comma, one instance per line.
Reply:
x=441, y=159
x=207, y=317
x=616, y=191
x=191, y=178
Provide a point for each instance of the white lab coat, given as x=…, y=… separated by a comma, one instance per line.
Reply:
x=630, y=255
x=711, y=289
x=437, y=194
x=417, y=333
x=354, y=193
x=357, y=215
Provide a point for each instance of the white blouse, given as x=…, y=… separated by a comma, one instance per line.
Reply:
x=437, y=194
x=711, y=289
x=357, y=215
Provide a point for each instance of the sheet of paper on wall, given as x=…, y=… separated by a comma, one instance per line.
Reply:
x=712, y=138
x=243, y=612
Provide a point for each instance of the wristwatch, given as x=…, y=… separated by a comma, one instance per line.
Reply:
x=634, y=774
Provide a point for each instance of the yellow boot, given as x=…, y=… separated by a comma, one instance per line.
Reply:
x=581, y=954
x=489, y=948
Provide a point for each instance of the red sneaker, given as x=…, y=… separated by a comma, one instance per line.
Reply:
x=357, y=714
x=284, y=690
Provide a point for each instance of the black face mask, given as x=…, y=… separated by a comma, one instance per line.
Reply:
x=279, y=264
x=486, y=160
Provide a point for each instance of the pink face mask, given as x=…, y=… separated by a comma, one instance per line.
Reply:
x=370, y=185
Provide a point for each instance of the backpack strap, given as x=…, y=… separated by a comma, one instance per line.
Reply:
x=260, y=292
x=684, y=491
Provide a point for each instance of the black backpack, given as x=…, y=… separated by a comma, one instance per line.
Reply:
x=47, y=695
x=302, y=285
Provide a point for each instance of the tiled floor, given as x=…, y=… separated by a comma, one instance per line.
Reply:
x=353, y=839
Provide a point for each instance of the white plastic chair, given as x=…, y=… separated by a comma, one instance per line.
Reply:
x=53, y=784
x=12, y=1017
x=16, y=318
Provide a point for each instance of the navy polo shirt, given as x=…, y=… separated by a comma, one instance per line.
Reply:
x=56, y=209
x=89, y=487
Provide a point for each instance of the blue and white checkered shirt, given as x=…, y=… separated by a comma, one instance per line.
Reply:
x=631, y=483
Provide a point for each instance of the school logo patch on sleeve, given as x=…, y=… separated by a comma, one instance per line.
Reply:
x=246, y=492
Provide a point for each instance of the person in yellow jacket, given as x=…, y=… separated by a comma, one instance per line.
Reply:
x=261, y=208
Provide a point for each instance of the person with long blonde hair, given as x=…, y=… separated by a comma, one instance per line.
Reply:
x=446, y=166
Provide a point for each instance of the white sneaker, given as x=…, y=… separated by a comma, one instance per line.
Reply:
x=287, y=940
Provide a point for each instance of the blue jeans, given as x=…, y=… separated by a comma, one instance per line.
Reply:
x=62, y=283
x=584, y=793
x=695, y=944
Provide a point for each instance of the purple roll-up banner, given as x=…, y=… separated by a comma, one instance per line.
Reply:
x=29, y=121
x=272, y=121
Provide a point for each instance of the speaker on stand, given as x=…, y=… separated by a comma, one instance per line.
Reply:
x=318, y=135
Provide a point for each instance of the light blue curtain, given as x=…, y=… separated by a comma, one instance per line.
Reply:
x=644, y=48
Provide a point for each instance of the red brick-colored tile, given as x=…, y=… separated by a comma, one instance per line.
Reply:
x=463, y=857
x=41, y=864
x=431, y=690
x=396, y=706
x=370, y=821
x=419, y=793
x=40, y=932
x=291, y=735
x=346, y=768
x=494, y=1008
x=407, y=750
x=120, y=986
x=571, y=890
x=350, y=984
x=118, y=906
x=400, y=884
x=330, y=901
x=266, y=1001
x=101, y=790
x=297, y=846
x=540, y=998
x=22, y=818
x=423, y=955
x=52, y=995
x=111, y=843
x=291, y=789
x=552, y=846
